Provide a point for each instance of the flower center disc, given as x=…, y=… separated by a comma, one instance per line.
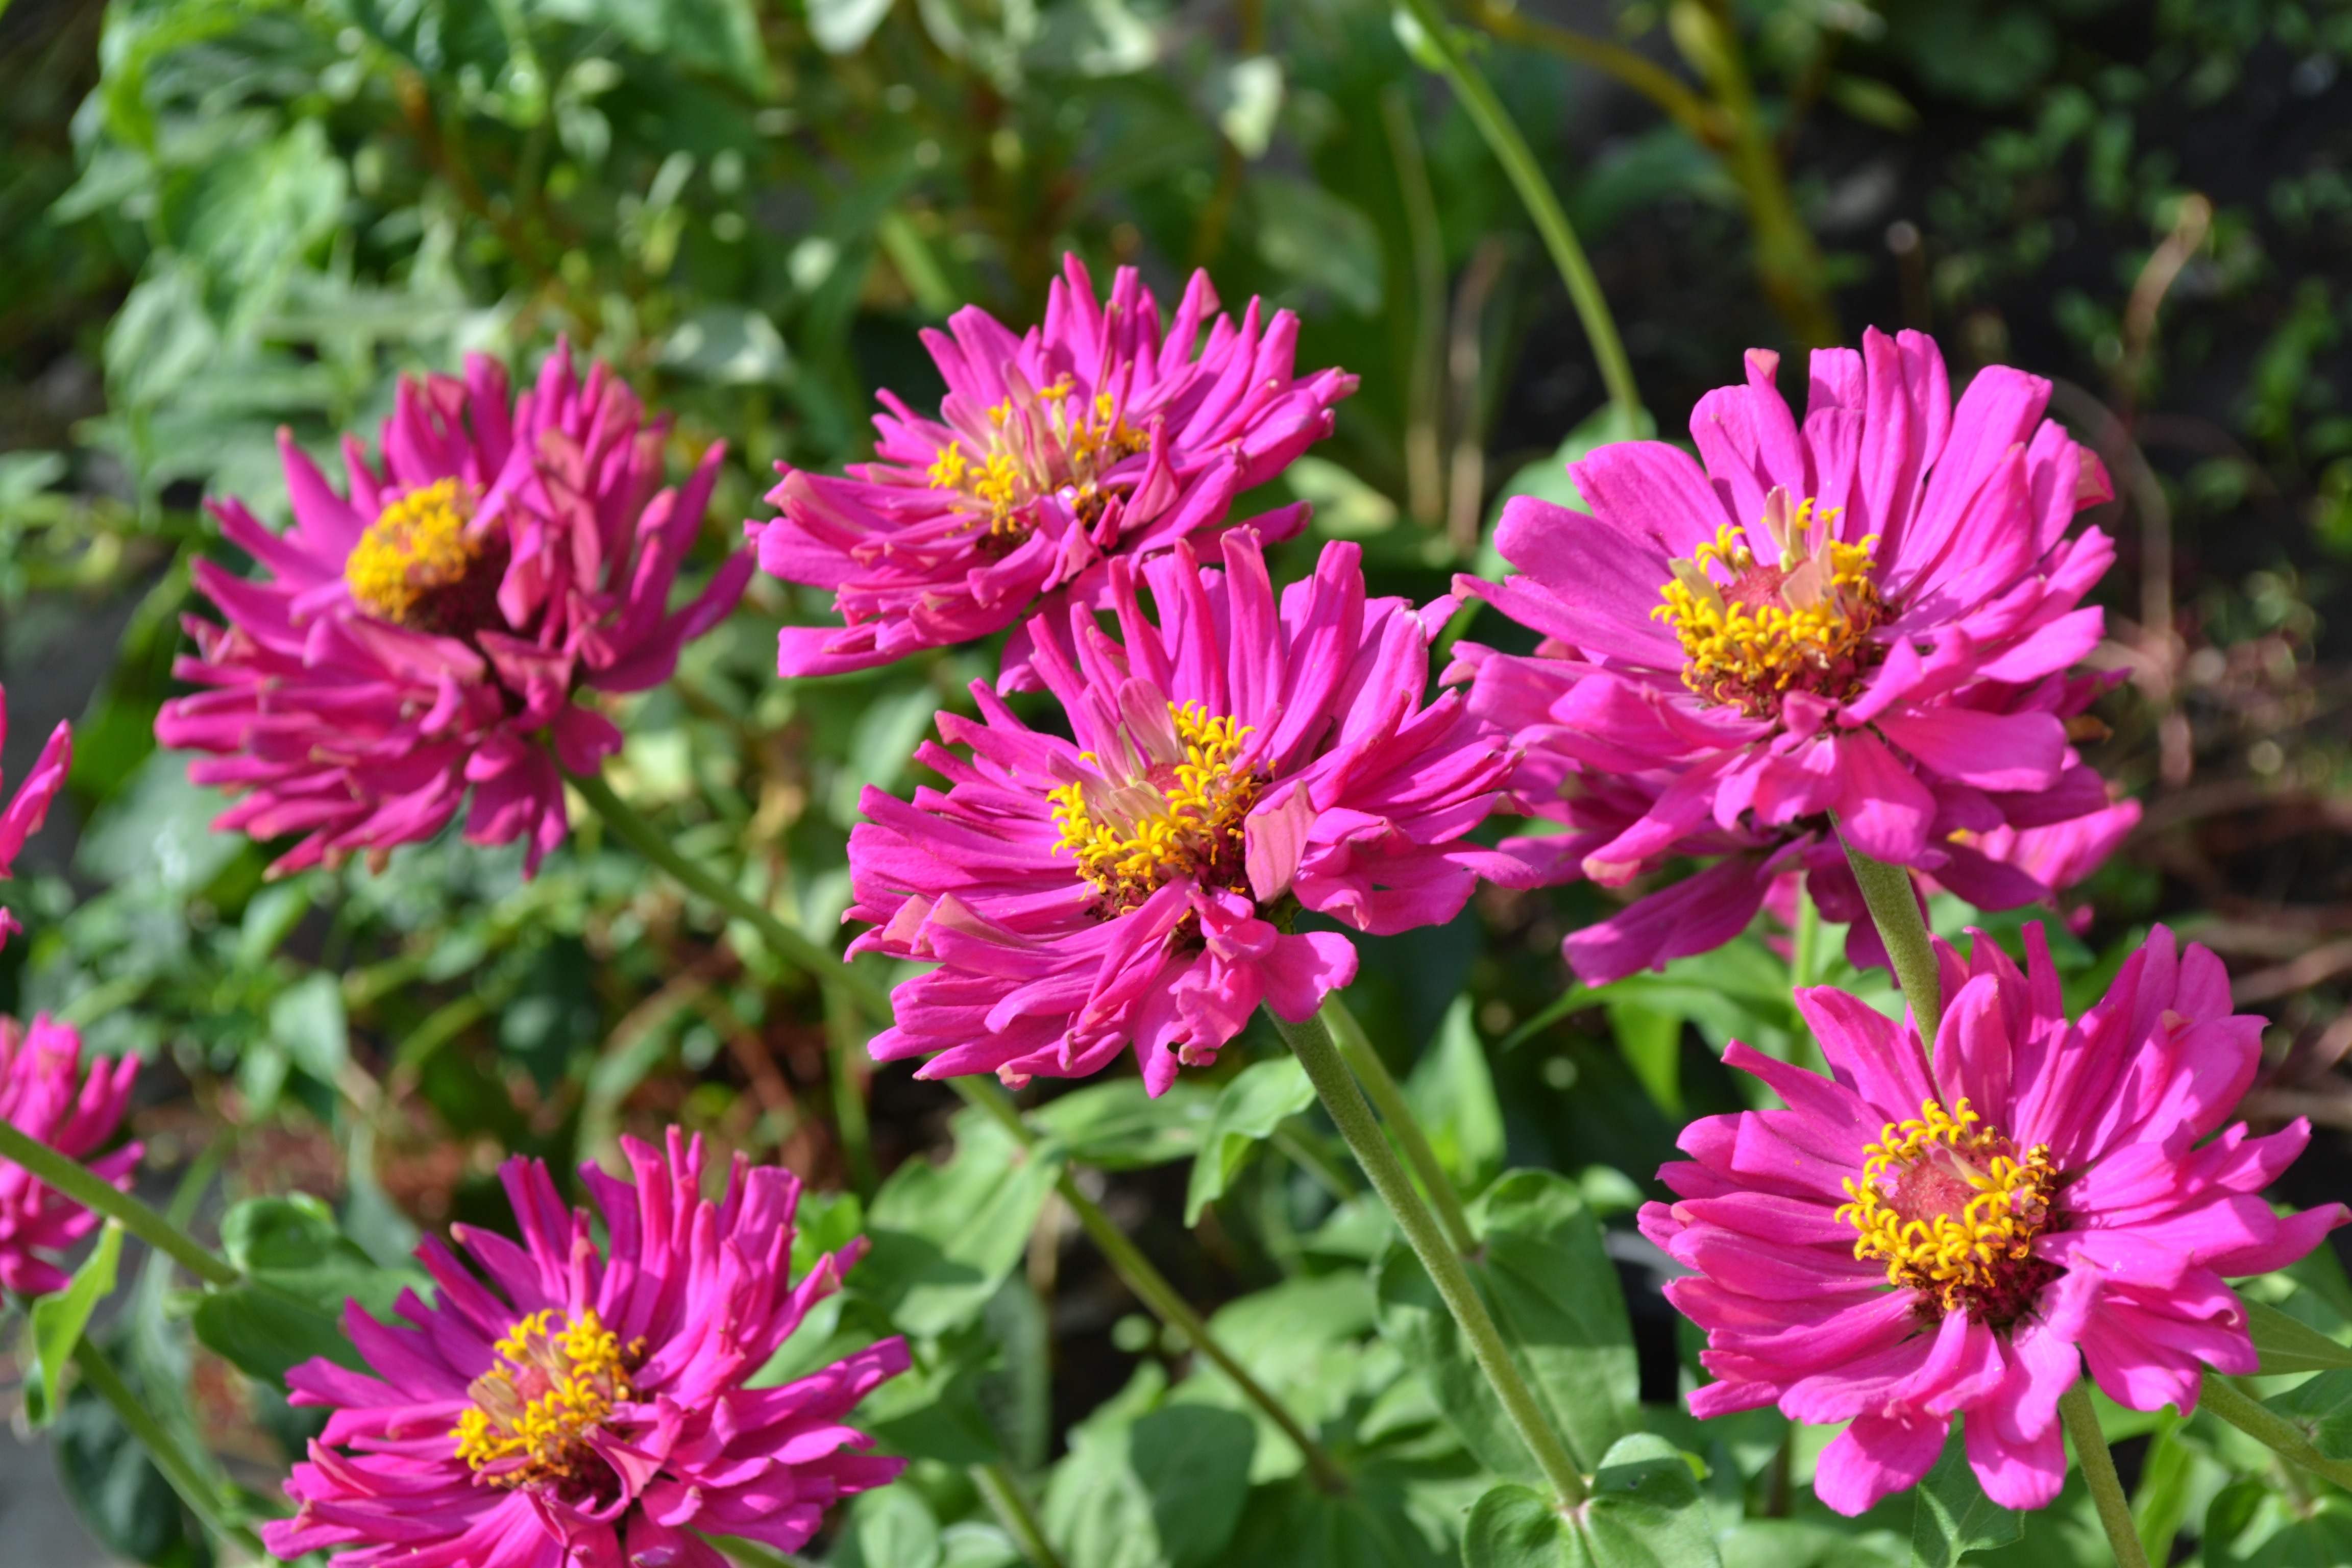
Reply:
x=1044, y=441
x=418, y=566
x=1179, y=813
x=1947, y=1204
x=1802, y=625
x=558, y=1378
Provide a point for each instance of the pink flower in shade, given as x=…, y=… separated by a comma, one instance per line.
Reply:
x=1100, y=435
x=1134, y=884
x=587, y=1407
x=30, y=806
x=44, y=1095
x=1925, y=1238
x=429, y=634
x=1868, y=616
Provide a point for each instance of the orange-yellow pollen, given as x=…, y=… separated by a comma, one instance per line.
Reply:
x=1948, y=1205
x=558, y=1378
x=1178, y=811
x=417, y=547
x=1042, y=442
x=1752, y=633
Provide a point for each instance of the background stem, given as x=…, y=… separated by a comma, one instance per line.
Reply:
x=183, y=1477
x=1013, y=1510
x=1895, y=909
x=78, y=1183
x=1388, y=1100
x=1311, y=1043
x=2099, y=1473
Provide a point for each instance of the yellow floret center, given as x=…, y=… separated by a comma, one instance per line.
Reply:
x=1753, y=633
x=558, y=1378
x=1043, y=442
x=1948, y=1205
x=418, y=547
x=1177, y=813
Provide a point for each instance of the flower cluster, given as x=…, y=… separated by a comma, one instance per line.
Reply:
x=1095, y=437
x=44, y=1094
x=430, y=632
x=577, y=1404
x=1923, y=1236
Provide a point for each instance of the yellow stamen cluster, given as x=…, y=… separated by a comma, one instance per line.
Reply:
x=415, y=549
x=1181, y=817
x=1947, y=1204
x=1757, y=633
x=559, y=1378
x=1040, y=445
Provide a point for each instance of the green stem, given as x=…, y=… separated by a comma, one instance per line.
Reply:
x=76, y=1182
x=2271, y=1429
x=1311, y=1043
x=1388, y=1100
x=2099, y=1473
x=1012, y=1510
x=140, y=1423
x=1510, y=148
x=820, y=965
x=1895, y=909
x=1152, y=1288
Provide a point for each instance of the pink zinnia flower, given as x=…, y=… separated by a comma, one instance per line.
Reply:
x=1869, y=615
x=30, y=806
x=44, y=1095
x=587, y=1406
x=1920, y=1239
x=430, y=632
x=1134, y=884
x=1098, y=436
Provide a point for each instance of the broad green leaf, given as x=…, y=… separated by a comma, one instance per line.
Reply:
x=1952, y=1517
x=301, y=1270
x=1293, y=1524
x=1452, y=1092
x=1644, y=1512
x=972, y=1544
x=266, y=1332
x=1259, y=1099
x=1161, y=1489
x=946, y=1235
x=1118, y=1126
x=1652, y=1043
x=1302, y=1340
x=58, y=1319
x=1554, y=1294
x=2249, y=1526
x=891, y=1527
x=1801, y=1543
x=2286, y=1345
x=2323, y=1408
x=307, y=1022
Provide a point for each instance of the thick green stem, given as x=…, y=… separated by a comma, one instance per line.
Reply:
x=1895, y=909
x=76, y=1182
x=1402, y=1125
x=2099, y=1474
x=1518, y=160
x=1311, y=1043
x=820, y=965
x=2271, y=1429
x=1152, y=1288
x=140, y=1423
x=1012, y=1508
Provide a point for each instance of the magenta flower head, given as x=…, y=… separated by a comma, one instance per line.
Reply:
x=29, y=807
x=1868, y=615
x=430, y=632
x=1240, y=757
x=44, y=1095
x=588, y=1405
x=1096, y=436
x=1925, y=1238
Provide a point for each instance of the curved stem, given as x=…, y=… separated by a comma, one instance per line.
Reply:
x=2099, y=1472
x=2271, y=1429
x=1510, y=148
x=1013, y=1510
x=820, y=965
x=94, y=1192
x=1388, y=1100
x=1895, y=909
x=1152, y=1288
x=140, y=1423
x=1311, y=1043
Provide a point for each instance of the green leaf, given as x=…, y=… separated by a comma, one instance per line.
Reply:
x=2249, y=1526
x=1553, y=1293
x=1296, y=1524
x=1259, y=1099
x=1452, y=1092
x=2323, y=1408
x=307, y=1022
x=58, y=1319
x=1161, y=1489
x=842, y=27
x=1118, y=1126
x=120, y=1495
x=1800, y=1544
x=946, y=1235
x=1952, y=1517
x=2286, y=1345
x=300, y=1269
x=891, y=1527
x=1644, y=1512
x=1652, y=1043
